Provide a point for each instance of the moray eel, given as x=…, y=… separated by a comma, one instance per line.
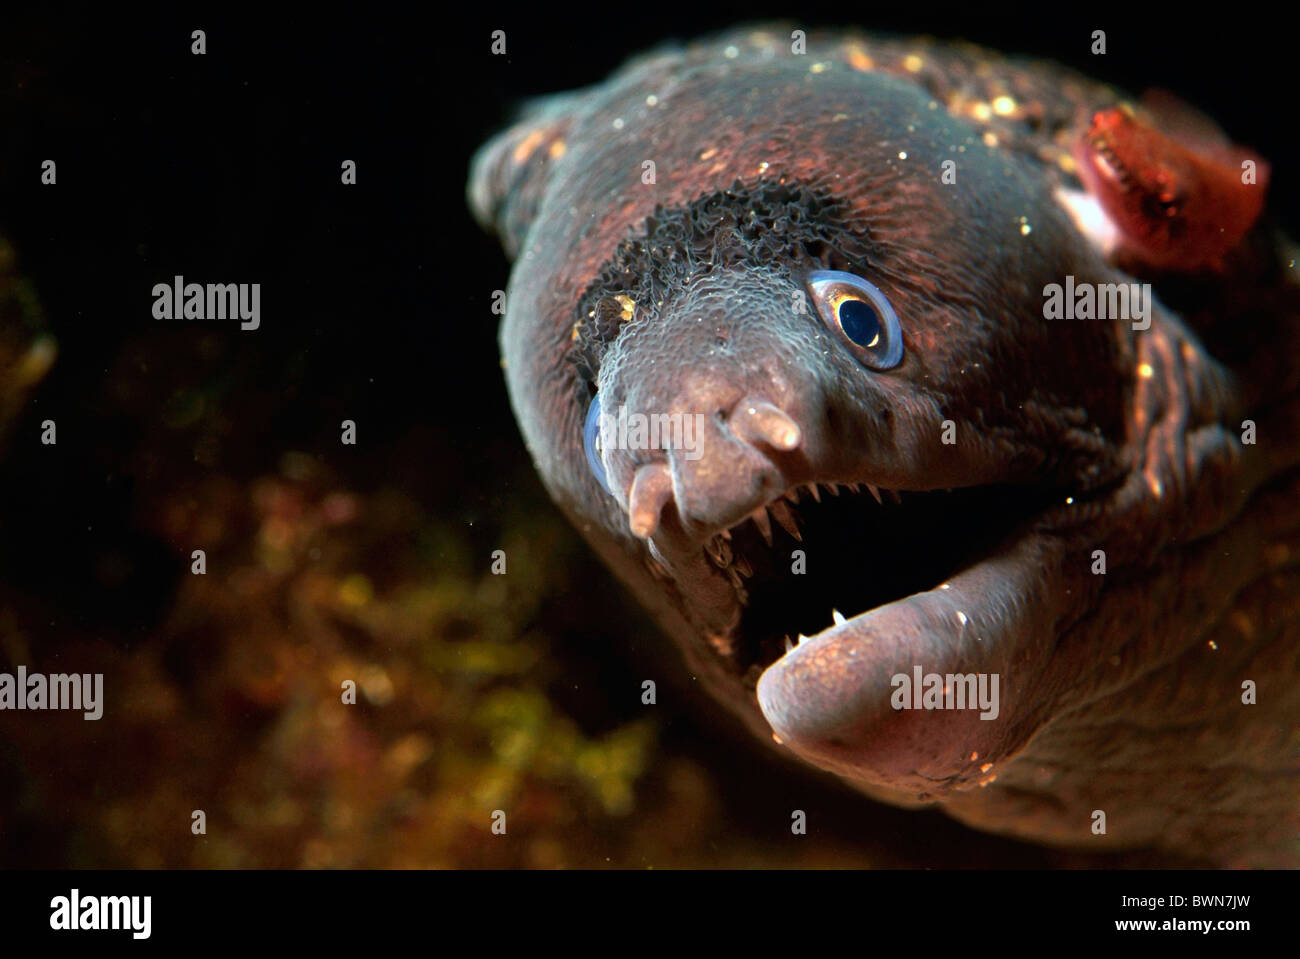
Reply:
x=911, y=522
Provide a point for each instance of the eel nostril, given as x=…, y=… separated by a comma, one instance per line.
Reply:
x=758, y=421
x=652, y=488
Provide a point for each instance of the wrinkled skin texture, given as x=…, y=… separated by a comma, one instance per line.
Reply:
x=1120, y=692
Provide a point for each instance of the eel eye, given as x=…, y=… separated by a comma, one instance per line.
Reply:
x=860, y=315
x=591, y=442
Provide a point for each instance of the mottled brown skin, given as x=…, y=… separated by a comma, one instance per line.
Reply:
x=1120, y=692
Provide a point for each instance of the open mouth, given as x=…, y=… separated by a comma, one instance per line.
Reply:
x=857, y=553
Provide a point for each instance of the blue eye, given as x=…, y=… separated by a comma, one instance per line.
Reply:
x=591, y=441
x=860, y=315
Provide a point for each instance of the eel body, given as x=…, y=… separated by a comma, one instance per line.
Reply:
x=943, y=409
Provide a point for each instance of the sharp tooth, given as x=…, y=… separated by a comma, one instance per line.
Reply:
x=802, y=639
x=741, y=565
x=812, y=488
x=893, y=495
x=788, y=645
x=763, y=523
x=719, y=551
x=875, y=492
x=834, y=488
x=854, y=487
x=726, y=534
x=793, y=496
x=782, y=515
x=838, y=617
x=656, y=555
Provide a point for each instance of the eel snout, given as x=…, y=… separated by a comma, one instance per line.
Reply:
x=724, y=471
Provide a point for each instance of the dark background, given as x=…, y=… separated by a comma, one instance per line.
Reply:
x=225, y=168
